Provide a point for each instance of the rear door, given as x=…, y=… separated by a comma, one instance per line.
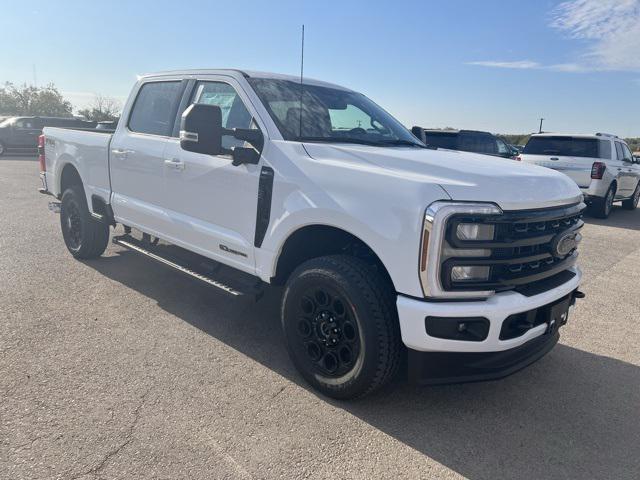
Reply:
x=136, y=156
x=211, y=203
x=573, y=156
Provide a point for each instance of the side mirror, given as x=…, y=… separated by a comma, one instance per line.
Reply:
x=201, y=129
x=418, y=132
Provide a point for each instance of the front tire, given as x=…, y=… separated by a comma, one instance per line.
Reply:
x=341, y=326
x=601, y=207
x=84, y=236
x=632, y=203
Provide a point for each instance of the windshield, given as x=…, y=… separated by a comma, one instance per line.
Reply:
x=6, y=123
x=324, y=114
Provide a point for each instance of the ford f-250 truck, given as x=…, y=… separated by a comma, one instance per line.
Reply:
x=385, y=248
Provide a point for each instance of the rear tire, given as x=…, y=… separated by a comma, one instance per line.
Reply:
x=601, y=207
x=632, y=203
x=341, y=326
x=84, y=236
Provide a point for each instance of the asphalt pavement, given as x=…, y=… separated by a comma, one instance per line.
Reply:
x=119, y=368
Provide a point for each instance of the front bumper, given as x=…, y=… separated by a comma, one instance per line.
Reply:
x=496, y=309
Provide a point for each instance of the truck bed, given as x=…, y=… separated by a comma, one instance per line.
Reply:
x=87, y=150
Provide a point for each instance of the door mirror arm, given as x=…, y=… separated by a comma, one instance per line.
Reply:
x=251, y=135
x=246, y=155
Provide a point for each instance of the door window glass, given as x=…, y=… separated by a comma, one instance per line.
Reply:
x=502, y=148
x=605, y=149
x=155, y=108
x=619, y=151
x=626, y=152
x=234, y=112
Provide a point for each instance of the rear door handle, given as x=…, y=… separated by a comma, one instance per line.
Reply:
x=175, y=163
x=554, y=158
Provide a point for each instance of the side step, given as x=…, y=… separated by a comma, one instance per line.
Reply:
x=228, y=280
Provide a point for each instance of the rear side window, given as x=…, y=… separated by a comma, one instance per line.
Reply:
x=563, y=147
x=155, y=108
x=442, y=140
x=619, y=151
x=471, y=142
x=605, y=149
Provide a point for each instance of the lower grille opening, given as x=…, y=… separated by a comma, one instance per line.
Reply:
x=469, y=329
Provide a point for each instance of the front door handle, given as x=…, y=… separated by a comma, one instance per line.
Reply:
x=120, y=153
x=554, y=158
x=175, y=163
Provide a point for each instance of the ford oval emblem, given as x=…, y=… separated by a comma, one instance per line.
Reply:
x=564, y=243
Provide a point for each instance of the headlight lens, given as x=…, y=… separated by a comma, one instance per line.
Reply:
x=475, y=231
x=435, y=249
x=461, y=273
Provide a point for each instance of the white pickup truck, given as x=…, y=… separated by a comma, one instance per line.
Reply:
x=385, y=248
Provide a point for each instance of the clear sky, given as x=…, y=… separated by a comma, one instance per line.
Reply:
x=482, y=64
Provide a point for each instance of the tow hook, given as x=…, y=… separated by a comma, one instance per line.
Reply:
x=54, y=207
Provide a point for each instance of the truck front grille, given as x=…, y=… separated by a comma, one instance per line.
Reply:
x=523, y=251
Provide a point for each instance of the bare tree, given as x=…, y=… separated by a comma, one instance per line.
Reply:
x=102, y=109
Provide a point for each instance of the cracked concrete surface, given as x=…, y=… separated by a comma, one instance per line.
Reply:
x=118, y=368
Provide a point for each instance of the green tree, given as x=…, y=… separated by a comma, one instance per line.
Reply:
x=31, y=100
x=102, y=109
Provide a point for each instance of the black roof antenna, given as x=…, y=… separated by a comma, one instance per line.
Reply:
x=301, y=83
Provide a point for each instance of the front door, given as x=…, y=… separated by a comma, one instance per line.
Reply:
x=211, y=203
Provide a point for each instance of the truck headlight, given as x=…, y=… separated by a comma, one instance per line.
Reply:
x=475, y=231
x=435, y=250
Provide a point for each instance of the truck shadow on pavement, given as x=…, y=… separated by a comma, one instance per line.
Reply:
x=619, y=218
x=573, y=414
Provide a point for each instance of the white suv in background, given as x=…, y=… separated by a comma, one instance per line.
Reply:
x=602, y=165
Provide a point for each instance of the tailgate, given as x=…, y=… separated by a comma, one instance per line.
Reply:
x=576, y=168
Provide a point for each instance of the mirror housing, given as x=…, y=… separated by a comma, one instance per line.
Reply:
x=201, y=129
x=418, y=132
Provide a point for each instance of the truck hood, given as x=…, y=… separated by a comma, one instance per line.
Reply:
x=464, y=176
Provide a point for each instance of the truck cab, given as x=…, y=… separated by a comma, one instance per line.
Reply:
x=385, y=248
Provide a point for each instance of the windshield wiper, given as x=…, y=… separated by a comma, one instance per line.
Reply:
x=400, y=142
x=338, y=140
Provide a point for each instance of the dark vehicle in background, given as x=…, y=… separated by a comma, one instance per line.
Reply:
x=466, y=141
x=21, y=133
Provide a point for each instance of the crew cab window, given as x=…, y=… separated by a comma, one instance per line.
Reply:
x=155, y=108
x=234, y=112
x=619, y=151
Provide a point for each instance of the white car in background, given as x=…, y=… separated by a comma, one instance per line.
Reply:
x=602, y=165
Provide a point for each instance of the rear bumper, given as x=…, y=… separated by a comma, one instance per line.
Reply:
x=596, y=189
